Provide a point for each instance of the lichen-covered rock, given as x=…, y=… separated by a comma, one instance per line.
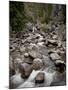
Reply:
x=37, y=64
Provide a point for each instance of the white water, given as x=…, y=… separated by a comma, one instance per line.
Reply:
x=16, y=80
x=30, y=82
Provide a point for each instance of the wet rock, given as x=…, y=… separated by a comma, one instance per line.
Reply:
x=26, y=55
x=54, y=56
x=40, y=78
x=34, y=54
x=25, y=70
x=60, y=65
x=37, y=64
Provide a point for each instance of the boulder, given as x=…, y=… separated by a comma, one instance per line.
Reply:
x=54, y=56
x=25, y=70
x=60, y=65
x=37, y=64
x=40, y=78
x=34, y=54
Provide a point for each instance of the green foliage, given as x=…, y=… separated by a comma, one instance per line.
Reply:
x=44, y=27
x=64, y=13
x=38, y=11
x=22, y=12
x=17, y=16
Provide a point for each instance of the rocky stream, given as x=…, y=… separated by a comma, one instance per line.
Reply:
x=38, y=58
